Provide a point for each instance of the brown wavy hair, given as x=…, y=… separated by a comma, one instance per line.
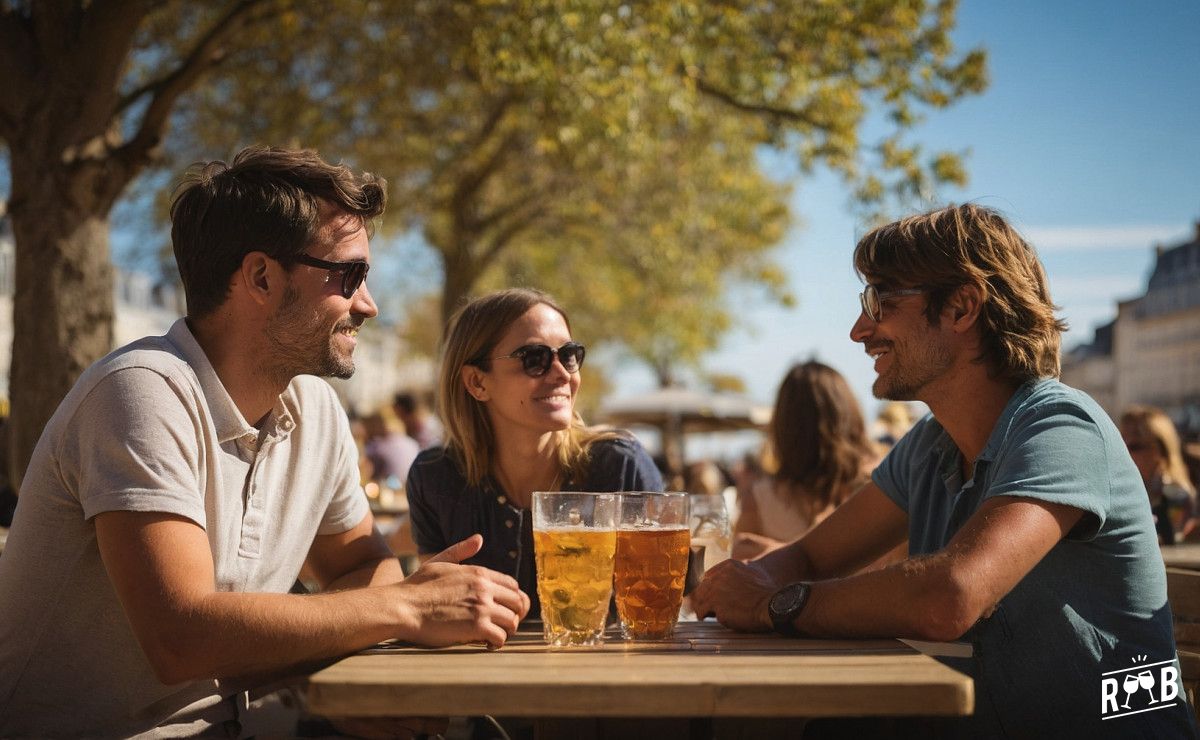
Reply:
x=267, y=200
x=471, y=337
x=817, y=439
x=942, y=250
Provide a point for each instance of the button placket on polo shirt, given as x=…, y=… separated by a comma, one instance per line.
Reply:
x=254, y=518
x=250, y=542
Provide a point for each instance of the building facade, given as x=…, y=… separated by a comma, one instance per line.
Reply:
x=1150, y=354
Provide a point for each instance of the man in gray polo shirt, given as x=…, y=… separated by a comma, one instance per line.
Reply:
x=184, y=481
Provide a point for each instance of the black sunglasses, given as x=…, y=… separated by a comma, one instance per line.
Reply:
x=536, y=359
x=354, y=272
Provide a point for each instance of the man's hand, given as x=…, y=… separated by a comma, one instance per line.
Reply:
x=750, y=545
x=453, y=603
x=736, y=594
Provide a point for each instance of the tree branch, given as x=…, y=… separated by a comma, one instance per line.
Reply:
x=505, y=235
x=505, y=209
x=208, y=51
x=787, y=114
x=470, y=183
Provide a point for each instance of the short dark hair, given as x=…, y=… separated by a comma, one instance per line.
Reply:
x=970, y=244
x=268, y=200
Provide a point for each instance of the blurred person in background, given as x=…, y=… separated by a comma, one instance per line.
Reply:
x=389, y=451
x=818, y=454
x=892, y=423
x=704, y=478
x=1153, y=444
x=508, y=380
x=419, y=422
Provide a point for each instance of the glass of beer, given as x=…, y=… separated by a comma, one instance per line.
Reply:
x=651, y=563
x=710, y=528
x=574, y=539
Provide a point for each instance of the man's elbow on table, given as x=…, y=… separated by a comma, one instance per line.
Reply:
x=947, y=609
x=185, y=644
x=175, y=661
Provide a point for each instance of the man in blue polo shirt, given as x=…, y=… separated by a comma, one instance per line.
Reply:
x=1030, y=533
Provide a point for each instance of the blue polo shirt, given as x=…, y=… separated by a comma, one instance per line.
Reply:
x=1096, y=604
x=445, y=509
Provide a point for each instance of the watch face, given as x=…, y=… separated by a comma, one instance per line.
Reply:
x=789, y=598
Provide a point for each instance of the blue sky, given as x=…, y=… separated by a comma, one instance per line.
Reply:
x=1087, y=139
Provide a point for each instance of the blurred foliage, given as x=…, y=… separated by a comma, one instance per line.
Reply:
x=606, y=153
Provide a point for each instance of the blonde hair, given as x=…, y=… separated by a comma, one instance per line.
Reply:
x=945, y=249
x=471, y=338
x=1153, y=425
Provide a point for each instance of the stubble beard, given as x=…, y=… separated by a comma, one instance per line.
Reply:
x=296, y=346
x=908, y=378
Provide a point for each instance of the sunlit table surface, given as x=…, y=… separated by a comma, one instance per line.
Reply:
x=1186, y=555
x=704, y=671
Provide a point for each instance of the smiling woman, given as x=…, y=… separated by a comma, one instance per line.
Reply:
x=509, y=375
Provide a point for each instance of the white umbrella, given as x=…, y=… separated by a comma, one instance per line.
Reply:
x=677, y=411
x=691, y=411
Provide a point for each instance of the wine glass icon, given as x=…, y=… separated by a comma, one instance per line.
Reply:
x=1146, y=681
x=1130, y=685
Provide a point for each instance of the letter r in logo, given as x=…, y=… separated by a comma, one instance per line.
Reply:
x=1108, y=693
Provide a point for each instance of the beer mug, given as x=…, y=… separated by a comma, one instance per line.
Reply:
x=651, y=563
x=574, y=539
x=710, y=535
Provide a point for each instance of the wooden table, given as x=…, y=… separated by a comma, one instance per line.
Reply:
x=1182, y=556
x=704, y=671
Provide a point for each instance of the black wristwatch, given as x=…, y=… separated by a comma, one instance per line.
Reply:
x=785, y=605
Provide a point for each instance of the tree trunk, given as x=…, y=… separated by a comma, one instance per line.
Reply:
x=63, y=303
x=461, y=274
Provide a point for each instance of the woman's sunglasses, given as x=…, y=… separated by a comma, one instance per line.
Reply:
x=353, y=272
x=536, y=359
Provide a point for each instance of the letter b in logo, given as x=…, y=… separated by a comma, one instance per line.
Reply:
x=1167, y=677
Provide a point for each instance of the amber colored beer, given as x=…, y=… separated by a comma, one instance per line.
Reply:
x=648, y=574
x=574, y=579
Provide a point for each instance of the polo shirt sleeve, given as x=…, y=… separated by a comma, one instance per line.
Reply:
x=1057, y=454
x=894, y=473
x=137, y=445
x=349, y=504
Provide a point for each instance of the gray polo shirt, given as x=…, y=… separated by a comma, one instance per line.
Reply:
x=151, y=428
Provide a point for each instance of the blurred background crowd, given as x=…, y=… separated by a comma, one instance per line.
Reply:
x=815, y=449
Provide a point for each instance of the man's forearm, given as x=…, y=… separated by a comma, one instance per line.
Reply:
x=379, y=573
x=788, y=564
x=913, y=599
x=224, y=634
